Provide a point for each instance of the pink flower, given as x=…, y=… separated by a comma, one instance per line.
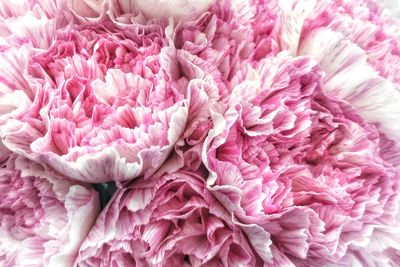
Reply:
x=102, y=107
x=348, y=39
x=303, y=167
x=43, y=220
x=172, y=221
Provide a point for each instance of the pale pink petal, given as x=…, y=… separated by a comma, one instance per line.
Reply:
x=176, y=9
x=349, y=77
x=86, y=8
x=44, y=219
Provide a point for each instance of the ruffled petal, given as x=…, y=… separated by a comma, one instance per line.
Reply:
x=173, y=219
x=43, y=216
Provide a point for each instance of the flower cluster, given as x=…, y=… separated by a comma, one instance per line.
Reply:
x=210, y=133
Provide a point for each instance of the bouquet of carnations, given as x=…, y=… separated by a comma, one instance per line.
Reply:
x=199, y=133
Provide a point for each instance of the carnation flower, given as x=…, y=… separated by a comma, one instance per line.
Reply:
x=103, y=108
x=43, y=220
x=302, y=166
x=356, y=45
x=171, y=221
